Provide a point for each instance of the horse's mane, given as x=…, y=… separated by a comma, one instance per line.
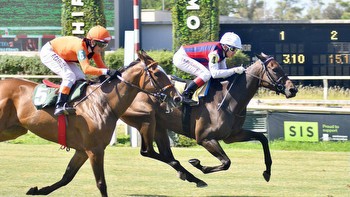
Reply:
x=138, y=60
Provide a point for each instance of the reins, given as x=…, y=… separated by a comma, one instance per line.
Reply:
x=159, y=94
x=86, y=96
x=279, y=87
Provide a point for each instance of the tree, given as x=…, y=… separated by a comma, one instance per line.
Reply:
x=345, y=7
x=314, y=10
x=286, y=11
x=248, y=9
x=157, y=5
x=227, y=7
x=92, y=12
x=332, y=11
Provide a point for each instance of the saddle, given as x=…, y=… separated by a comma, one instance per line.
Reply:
x=181, y=84
x=46, y=93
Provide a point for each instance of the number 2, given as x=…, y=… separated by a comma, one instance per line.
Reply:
x=334, y=35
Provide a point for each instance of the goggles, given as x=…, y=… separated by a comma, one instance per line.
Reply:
x=231, y=48
x=101, y=44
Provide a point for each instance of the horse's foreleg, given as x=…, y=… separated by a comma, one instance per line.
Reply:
x=215, y=149
x=148, y=135
x=73, y=167
x=96, y=157
x=248, y=135
x=166, y=155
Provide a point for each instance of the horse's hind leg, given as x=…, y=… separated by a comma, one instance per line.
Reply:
x=13, y=133
x=215, y=149
x=9, y=123
x=73, y=167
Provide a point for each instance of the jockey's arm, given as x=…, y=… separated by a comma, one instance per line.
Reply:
x=87, y=68
x=218, y=69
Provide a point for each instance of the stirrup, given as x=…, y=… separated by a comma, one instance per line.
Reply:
x=65, y=109
x=188, y=101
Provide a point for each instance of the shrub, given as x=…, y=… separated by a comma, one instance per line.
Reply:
x=115, y=59
x=22, y=65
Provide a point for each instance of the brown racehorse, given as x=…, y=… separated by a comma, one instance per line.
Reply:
x=90, y=130
x=219, y=116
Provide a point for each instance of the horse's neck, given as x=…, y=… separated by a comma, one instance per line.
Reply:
x=252, y=79
x=121, y=98
x=246, y=88
x=113, y=98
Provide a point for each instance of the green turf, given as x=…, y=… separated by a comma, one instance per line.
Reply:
x=294, y=173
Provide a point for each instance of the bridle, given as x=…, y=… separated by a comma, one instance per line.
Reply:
x=159, y=94
x=277, y=84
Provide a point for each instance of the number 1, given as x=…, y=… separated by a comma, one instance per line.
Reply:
x=282, y=35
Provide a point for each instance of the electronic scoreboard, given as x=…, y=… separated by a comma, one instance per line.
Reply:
x=303, y=48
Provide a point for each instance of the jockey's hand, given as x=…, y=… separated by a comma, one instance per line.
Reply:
x=239, y=70
x=113, y=73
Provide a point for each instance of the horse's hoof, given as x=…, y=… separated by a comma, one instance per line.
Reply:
x=32, y=191
x=266, y=176
x=201, y=184
x=194, y=162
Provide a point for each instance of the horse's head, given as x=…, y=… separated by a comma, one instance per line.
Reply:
x=274, y=78
x=160, y=86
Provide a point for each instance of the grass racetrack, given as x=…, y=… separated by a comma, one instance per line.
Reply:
x=294, y=173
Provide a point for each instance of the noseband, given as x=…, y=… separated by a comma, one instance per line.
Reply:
x=159, y=94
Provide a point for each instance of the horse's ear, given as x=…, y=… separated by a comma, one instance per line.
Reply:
x=262, y=56
x=259, y=56
x=140, y=55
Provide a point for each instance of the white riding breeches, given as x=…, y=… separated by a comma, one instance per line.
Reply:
x=191, y=66
x=69, y=71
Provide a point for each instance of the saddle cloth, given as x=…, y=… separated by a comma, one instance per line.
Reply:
x=199, y=93
x=45, y=96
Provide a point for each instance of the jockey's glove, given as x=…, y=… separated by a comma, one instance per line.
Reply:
x=113, y=73
x=238, y=70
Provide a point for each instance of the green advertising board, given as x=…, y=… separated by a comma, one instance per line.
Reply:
x=308, y=127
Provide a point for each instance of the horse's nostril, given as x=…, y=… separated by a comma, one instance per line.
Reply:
x=293, y=90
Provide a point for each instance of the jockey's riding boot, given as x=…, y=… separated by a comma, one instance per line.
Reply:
x=62, y=107
x=188, y=93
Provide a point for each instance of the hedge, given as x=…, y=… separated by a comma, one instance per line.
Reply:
x=32, y=65
x=208, y=15
x=93, y=15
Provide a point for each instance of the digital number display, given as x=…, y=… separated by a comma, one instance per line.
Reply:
x=302, y=48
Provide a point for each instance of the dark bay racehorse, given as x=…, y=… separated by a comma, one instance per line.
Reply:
x=219, y=116
x=90, y=130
